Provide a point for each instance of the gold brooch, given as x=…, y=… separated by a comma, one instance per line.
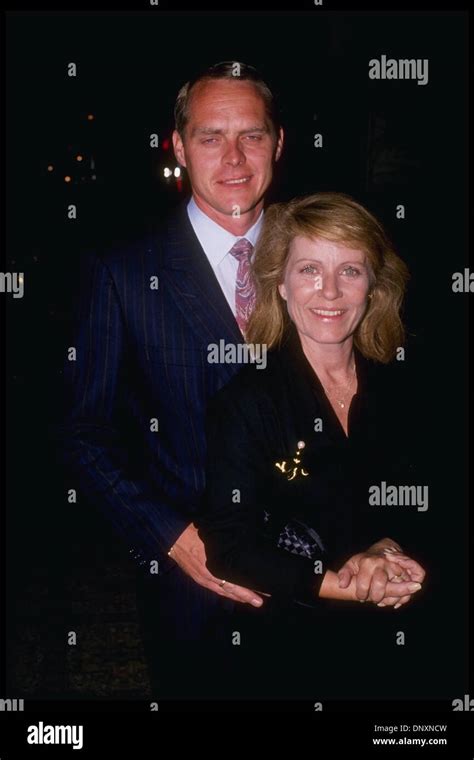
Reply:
x=288, y=468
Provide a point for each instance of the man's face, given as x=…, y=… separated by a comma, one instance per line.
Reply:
x=228, y=147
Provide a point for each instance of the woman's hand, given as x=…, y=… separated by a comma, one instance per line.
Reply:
x=331, y=588
x=382, y=575
x=412, y=570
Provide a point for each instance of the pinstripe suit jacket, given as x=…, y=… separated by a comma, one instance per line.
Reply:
x=134, y=434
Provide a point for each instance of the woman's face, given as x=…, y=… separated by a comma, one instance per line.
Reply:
x=326, y=286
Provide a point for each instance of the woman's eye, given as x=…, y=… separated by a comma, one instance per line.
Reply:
x=308, y=269
x=351, y=271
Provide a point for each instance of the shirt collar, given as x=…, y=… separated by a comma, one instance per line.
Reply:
x=215, y=240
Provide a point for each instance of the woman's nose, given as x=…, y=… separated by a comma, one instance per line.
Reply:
x=330, y=286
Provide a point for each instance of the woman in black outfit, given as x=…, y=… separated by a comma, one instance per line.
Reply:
x=293, y=449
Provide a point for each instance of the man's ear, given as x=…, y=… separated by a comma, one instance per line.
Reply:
x=178, y=148
x=279, y=144
x=282, y=291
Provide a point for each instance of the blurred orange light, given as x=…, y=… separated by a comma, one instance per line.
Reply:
x=67, y=178
x=50, y=167
x=79, y=158
x=90, y=117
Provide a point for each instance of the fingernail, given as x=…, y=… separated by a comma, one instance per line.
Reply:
x=257, y=602
x=396, y=606
x=381, y=604
x=414, y=586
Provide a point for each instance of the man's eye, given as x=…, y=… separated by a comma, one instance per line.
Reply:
x=254, y=137
x=209, y=140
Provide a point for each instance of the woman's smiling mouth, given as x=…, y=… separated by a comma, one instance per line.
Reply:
x=328, y=313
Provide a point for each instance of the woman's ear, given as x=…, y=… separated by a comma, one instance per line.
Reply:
x=282, y=291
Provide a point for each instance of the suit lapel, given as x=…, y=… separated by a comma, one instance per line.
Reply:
x=193, y=284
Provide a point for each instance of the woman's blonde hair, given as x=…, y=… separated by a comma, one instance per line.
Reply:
x=339, y=218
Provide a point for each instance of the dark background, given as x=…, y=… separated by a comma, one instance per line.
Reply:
x=385, y=142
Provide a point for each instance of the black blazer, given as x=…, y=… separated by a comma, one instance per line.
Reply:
x=256, y=421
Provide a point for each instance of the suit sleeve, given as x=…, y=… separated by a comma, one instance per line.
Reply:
x=233, y=505
x=93, y=443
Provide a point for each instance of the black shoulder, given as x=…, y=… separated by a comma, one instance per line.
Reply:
x=253, y=385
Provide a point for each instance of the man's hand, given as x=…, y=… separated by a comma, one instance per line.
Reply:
x=384, y=577
x=189, y=553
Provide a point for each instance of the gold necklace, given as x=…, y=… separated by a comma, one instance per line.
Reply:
x=347, y=386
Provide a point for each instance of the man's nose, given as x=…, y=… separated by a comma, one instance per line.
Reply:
x=234, y=155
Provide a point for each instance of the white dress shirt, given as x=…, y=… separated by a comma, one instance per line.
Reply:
x=216, y=243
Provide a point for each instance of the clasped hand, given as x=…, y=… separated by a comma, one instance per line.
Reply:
x=382, y=575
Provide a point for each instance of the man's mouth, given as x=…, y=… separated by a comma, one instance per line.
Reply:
x=235, y=181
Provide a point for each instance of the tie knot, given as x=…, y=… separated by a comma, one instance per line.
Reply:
x=241, y=249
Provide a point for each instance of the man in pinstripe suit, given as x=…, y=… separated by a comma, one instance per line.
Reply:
x=141, y=381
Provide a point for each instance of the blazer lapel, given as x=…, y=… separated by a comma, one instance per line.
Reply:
x=308, y=392
x=193, y=284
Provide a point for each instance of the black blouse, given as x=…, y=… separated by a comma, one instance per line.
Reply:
x=256, y=421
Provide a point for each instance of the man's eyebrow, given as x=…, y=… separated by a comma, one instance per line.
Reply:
x=216, y=131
